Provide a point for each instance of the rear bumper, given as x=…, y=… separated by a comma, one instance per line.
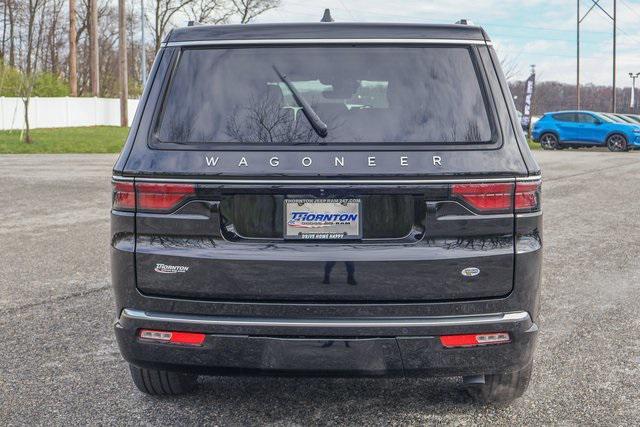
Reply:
x=337, y=347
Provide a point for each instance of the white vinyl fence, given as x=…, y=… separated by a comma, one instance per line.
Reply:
x=63, y=112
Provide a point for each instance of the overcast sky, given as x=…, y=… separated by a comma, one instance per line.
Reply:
x=541, y=32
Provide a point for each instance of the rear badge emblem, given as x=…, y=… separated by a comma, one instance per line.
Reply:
x=470, y=272
x=170, y=269
x=338, y=161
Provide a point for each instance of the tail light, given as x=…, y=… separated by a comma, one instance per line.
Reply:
x=173, y=337
x=527, y=197
x=150, y=197
x=486, y=197
x=474, y=340
x=161, y=196
x=500, y=197
x=123, y=197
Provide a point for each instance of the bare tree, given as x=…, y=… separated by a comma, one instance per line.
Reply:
x=54, y=37
x=163, y=11
x=11, y=11
x=107, y=38
x=262, y=119
x=510, y=66
x=249, y=9
x=134, y=61
x=555, y=96
x=108, y=47
x=204, y=11
x=34, y=34
x=58, y=51
x=210, y=11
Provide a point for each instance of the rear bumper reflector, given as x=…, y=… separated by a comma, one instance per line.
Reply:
x=172, y=337
x=474, y=340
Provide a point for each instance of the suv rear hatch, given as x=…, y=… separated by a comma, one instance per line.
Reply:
x=410, y=196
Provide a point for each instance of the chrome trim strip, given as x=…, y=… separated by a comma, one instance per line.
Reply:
x=517, y=316
x=329, y=181
x=325, y=181
x=529, y=178
x=529, y=214
x=322, y=41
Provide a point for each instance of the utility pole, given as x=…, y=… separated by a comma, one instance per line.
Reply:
x=93, y=47
x=632, y=105
x=122, y=69
x=615, y=59
x=143, y=59
x=73, y=50
x=578, y=20
x=596, y=3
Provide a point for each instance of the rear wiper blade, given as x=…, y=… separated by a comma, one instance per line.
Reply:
x=318, y=125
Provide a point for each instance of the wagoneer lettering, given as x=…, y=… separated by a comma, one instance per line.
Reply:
x=288, y=187
x=338, y=161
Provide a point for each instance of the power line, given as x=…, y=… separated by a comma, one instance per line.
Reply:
x=495, y=34
x=554, y=55
x=628, y=6
x=537, y=28
x=347, y=9
x=618, y=28
x=595, y=5
x=305, y=6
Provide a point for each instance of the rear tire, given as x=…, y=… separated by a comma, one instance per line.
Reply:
x=548, y=141
x=501, y=388
x=162, y=383
x=617, y=143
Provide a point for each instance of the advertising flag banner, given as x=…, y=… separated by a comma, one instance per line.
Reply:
x=529, y=89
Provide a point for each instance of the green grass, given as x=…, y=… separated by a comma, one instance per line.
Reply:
x=94, y=139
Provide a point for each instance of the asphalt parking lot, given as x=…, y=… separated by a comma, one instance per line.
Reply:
x=59, y=363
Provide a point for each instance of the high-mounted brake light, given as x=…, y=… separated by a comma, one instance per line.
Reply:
x=474, y=340
x=123, y=196
x=162, y=196
x=172, y=337
x=527, y=197
x=490, y=197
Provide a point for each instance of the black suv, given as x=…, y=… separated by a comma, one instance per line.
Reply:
x=327, y=199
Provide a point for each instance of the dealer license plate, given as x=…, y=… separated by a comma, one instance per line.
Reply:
x=323, y=219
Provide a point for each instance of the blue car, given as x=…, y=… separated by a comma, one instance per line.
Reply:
x=563, y=129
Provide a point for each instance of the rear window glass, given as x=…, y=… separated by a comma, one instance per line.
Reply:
x=379, y=95
x=565, y=117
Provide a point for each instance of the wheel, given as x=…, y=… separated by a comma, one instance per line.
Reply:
x=617, y=142
x=162, y=383
x=501, y=388
x=549, y=141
